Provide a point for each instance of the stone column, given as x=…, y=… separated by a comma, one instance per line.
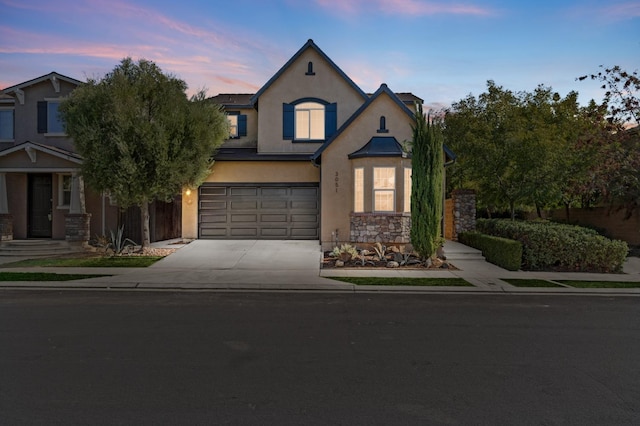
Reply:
x=464, y=211
x=77, y=221
x=6, y=220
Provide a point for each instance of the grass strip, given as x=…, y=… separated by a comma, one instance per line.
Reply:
x=44, y=276
x=600, y=284
x=89, y=262
x=522, y=282
x=395, y=281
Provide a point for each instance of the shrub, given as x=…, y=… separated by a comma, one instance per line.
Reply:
x=549, y=245
x=503, y=252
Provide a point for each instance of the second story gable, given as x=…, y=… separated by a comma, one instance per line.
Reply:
x=304, y=103
x=29, y=111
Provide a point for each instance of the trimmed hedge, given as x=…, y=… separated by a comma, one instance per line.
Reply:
x=503, y=252
x=556, y=246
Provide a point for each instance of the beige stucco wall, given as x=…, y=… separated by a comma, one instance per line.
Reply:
x=26, y=116
x=337, y=200
x=294, y=84
x=245, y=172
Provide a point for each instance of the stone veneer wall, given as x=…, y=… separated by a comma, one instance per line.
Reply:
x=380, y=228
x=77, y=227
x=464, y=211
x=396, y=227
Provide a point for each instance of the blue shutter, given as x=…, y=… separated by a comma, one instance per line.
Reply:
x=330, y=120
x=42, y=117
x=242, y=125
x=288, y=114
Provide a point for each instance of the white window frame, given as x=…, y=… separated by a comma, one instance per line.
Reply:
x=407, y=189
x=61, y=190
x=51, y=101
x=384, y=186
x=13, y=121
x=308, y=115
x=233, y=125
x=358, y=190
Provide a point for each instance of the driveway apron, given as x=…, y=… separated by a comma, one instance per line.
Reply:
x=229, y=264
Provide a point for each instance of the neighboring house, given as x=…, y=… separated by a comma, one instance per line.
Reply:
x=42, y=194
x=310, y=156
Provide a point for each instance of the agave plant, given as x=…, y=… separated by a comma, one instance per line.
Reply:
x=118, y=243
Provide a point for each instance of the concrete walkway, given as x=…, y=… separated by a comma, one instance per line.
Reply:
x=295, y=265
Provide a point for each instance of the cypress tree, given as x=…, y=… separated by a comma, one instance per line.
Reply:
x=426, y=184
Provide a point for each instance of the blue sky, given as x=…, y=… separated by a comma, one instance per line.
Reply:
x=439, y=50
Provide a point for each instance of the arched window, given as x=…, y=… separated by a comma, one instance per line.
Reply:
x=310, y=69
x=383, y=125
x=309, y=121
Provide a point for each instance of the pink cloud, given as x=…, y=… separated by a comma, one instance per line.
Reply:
x=626, y=10
x=404, y=7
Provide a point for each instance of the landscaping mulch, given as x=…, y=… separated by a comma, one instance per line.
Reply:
x=329, y=262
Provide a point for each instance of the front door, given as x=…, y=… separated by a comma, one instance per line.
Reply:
x=40, y=206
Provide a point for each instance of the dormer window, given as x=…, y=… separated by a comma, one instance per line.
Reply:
x=383, y=125
x=310, y=69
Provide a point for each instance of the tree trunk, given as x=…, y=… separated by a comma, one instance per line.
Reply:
x=512, y=208
x=146, y=238
x=566, y=211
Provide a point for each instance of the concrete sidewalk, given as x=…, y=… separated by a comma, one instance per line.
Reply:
x=295, y=266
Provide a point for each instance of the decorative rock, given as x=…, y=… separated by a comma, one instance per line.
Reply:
x=393, y=264
x=339, y=263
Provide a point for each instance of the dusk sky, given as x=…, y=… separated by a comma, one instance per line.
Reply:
x=439, y=50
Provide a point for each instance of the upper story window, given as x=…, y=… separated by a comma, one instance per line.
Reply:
x=233, y=126
x=6, y=124
x=237, y=125
x=49, y=120
x=384, y=185
x=309, y=120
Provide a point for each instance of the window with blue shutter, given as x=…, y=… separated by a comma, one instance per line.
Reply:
x=330, y=120
x=288, y=122
x=242, y=125
x=42, y=117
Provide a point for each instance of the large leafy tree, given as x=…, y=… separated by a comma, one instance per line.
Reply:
x=512, y=146
x=141, y=137
x=427, y=164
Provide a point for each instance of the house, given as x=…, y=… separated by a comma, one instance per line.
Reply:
x=310, y=156
x=42, y=194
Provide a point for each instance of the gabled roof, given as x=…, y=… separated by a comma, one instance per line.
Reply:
x=31, y=147
x=383, y=89
x=380, y=146
x=308, y=45
x=51, y=76
x=231, y=100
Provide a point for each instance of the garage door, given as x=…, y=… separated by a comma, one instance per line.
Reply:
x=265, y=211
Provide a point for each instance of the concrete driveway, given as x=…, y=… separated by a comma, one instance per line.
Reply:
x=226, y=264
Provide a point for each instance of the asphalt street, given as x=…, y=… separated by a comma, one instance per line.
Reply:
x=173, y=358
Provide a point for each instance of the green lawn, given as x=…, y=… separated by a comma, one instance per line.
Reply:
x=95, y=262
x=518, y=282
x=601, y=284
x=44, y=276
x=426, y=282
